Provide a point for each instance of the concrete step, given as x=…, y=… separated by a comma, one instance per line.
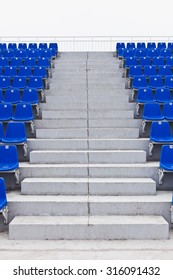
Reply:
x=105, y=133
x=119, y=156
x=78, y=205
x=101, y=98
x=85, y=144
x=88, y=228
x=88, y=186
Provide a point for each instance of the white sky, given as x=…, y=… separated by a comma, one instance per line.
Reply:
x=86, y=17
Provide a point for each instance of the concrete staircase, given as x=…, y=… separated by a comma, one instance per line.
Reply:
x=88, y=177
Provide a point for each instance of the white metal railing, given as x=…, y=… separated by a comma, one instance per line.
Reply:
x=85, y=43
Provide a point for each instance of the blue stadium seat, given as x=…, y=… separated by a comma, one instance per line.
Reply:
x=168, y=111
x=165, y=52
x=129, y=61
x=151, y=45
x=164, y=70
x=24, y=113
x=45, y=53
x=53, y=53
x=120, y=52
x=9, y=160
x=128, y=53
x=141, y=45
x=43, y=46
x=5, y=82
x=37, y=82
x=32, y=46
x=151, y=112
x=145, y=95
x=10, y=71
x=8, y=53
x=141, y=52
x=12, y=46
x=19, y=82
x=119, y=45
x=30, y=96
x=169, y=82
x=12, y=95
x=161, y=45
x=166, y=161
x=3, y=201
x=130, y=45
x=25, y=71
x=42, y=72
x=144, y=61
x=3, y=46
x=150, y=70
x=20, y=53
x=33, y=53
x=153, y=52
x=4, y=61
x=158, y=60
x=138, y=82
x=16, y=61
x=155, y=81
x=169, y=60
x=22, y=46
x=170, y=45
x=5, y=112
x=16, y=135
x=55, y=46
x=160, y=133
x=134, y=70
x=163, y=95
x=30, y=61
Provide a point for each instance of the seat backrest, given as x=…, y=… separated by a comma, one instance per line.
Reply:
x=22, y=46
x=19, y=81
x=153, y=52
x=33, y=53
x=16, y=130
x=128, y=52
x=4, y=61
x=25, y=71
x=151, y=45
x=165, y=52
x=20, y=53
x=55, y=46
x=10, y=71
x=3, y=197
x=130, y=45
x=151, y=110
x=141, y=45
x=156, y=81
x=5, y=81
x=129, y=61
x=169, y=60
x=166, y=156
x=8, y=154
x=164, y=70
x=158, y=60
x=145, y=94
x=40, y=71
x=161, y=45
x=16, y=61
x=45, y=53
x=8, y=53
x=35, y=81
x=5, y=111
x=169, y=81
x=160, y=130
x=168, y=110
x=32, y=45
x=42, y=46
x=30, y=61
x=30, y=95
x=12, y=46
x=23, y=110
x=139, y=81
x=144, y=61
x=135, y=70
x=12, y=95
x=141, y=52
x=43, y=61
x=150, y=70
x=3, y=46
x=162, y=95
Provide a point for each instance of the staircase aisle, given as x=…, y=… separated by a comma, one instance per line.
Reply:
x=88, y=177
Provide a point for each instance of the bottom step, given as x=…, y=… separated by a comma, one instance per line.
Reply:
x=85, y=228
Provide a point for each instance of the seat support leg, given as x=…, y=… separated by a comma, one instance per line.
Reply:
x=17, y=174
x=161, y=175
x=25, y=149
x=5, y=214
x=151, y=146
x=37, y=110
x=133, y=95
x=42, y=96
x=32, y=127
x=137, y=109
x=143, y=126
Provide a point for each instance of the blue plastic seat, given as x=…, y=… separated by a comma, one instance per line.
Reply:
x=128, y=53
x=24, y=113
x=40, y=71
x=169, y=60
x=53, y=53
x=8, y=53
x=166, y=161
x=160, y=134
x=32, y=46
x=16, y=61
x=141, y=45
x=3, y=46
x=163, y=95
x=55, y=46
x=130, y=45
x=22, y=46
x=4, y=61
x=20, y=53
x=10, y=71
x=164, y=70
x=138, y=82
x=12, y=95
x=43, y=46
x=135, y=70
x=161, y=45
x=145, y=95
x=120, y=52
x=151, y=45
x=151, y=112
x=144, y=61
x=5, y=82
x=25, y=71
x=12, y=46
x=170, y=45
x=19, y=82
x=30, y=95
x=155, y=81
x=119, y=45
x=158, y=60
x=3, y=200
x=169, y=82
x=36, y=82
x=153, y=52
x=168, y=111
x=5, y=112
x=45, y=53
x=33, y=53
x=150, y=70
x=129, y=61
x=141, y=52
x=30, y=61
x=165, y=52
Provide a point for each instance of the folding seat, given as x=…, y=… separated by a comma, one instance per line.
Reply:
x=170, y=46
x=129, y=61
x=158, y=60
x=164, y=70
x=151, y=112
x=44, y=61
x=128, y=53
x=166, y=161
x=24, y=113
x=120, y=52
x=155, y=81
x=134, y=70
x=141, y=45
x=19, y=82
x=169, y=61
x=16, y=135
x=30, y=61
x=130, y=45
x=8, y=53
x=150, y=70
x=3, y=46
x=37, y=83
x=141, y=52
x=30, y=96
x=33, y=53
x=161, y=45
x=25, y=71
x=151, y=45
x=4, y=61
x=32, y=46
x=12, y=95
x=10, y=71
x=145, y=95
x=3, y=201
x=42, y=72
x=53, y=53
x=160, y=134
x=5, y=112
x=168, y=111
x=169, y=82
x=43, y=46
x=22, y=46
x=20, y=53
x=163, y=95
x=165, y=52
x=119, y=45
x=16, y=61
x=12, y=46
x=138, y=82
x=45, y=53
x=144, y=61
x=5, y=82
x=9, y=161
x=55, y=46
x=153, y=52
